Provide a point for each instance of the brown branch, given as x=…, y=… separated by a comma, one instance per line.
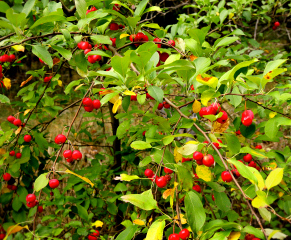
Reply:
x=177, y=205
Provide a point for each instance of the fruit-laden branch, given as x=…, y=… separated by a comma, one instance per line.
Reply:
x=224, y=163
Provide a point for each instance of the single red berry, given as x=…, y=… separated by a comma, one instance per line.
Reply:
x=17, y=122
x=54, y=183
x=92, y=237
x=27, y=138
x=203, y=111
x=161, y=182
x=86, y=51
x=2, y=236
x=113, y=26
x=40, y=209
x=223, y=118
x=133, y=97
x=248, y=158
x=60, y=139
x=69, y=160
x=166, y=105
x=96, y=104
x=97, y=58
x=47, y=79
x=31, y=204
x=30, y=198
x=87, y=102
x=168, y=177
x=192, y=87
x=259, y=147
x=89, y=108
x=6, y=177
x=160, y=106
x=172, y=42
x=249, y=236
x=174, y=236
x=252, y=164
x=144, y=132
x=84, y=45
x=276, y=24
x=12, y=58
x=13, y=188
x=77, y=155
x=213, y=198
x=197, y=188
x=132, y=37
x=157, y=40
x=164, y=56
x=149, y=173
x=168, y=170
x=210, y=110
x=11, y=119
x=226, y=177
x=198, y=156
x=67, y=154
x=236, y=173
x=5, y=58
x=216, y=106
x=18, y=155
x=238, y=132
x=113, y=40
x=184, y=234
x=12, y=153
x=51, y=193
x=208, y=160
x=186, y=159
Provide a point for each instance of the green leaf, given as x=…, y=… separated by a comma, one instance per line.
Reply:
x=128, y=233
x=194, y=211
x=98, y=52
x=28, y=7
x=156, y=92
x=271, y=128
x=101, y=39
x=140, y=8
x=64, y=52
x=4, y=24
x=71, y=85
x=107, y=97
x=4, y=99
x=273, y=65
x=206, y=96
x=156, y=230
x=265, y=214
x=16, y=204
x=252, y=230
x=253, y=152
x=144, y=201
x=223, y=15
x=194, y=47
x=188, y=149
x=245, y=171
x=153, y=8
x=43, y=54
x=81, y=7
x=5, y=137
x=274, y=178
x=120, y=64
x=221, y=235
x=185, y=178
x=224, y=42
x=141, y=98
x=41, y=182
x=82, y=212
x=140, y=145
x=233, y=143
x=248, y=132
x=198, y=35
x=46, y=19
x=3, y=6
x=127, y=178
x=120, y=187
x=222, y=201
x=40, y=140
x=216, y=187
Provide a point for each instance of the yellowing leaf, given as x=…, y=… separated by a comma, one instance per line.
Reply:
x=106, y=91
x=14, y=229
x=272, y=114
x=18, y=130
x=207, y=80
x=83, y=178
x=130, y=93
x=196, y=106
x=7, y=83
x=2, y=151
x=234, y=236
x=26, y=81
x=259, y=203
x=192, y=142
x=60, y=83
x=177, y=155
x=187, y=149
x=125, y=177
x=183, y=220
x=230, y=16
x=97, y=224
x=192, y=57
x=217, y=13
x=79, y=86
x=26, y=111
x=281, y=194
x=116, y=105
x=123, y=35
x=156, y=230
x=204, y=173
x=139, y=222
x=136, y=87
x=18, y=48
x=274, y=178
x=170, y=192
x=220, y=127
x=261, y=182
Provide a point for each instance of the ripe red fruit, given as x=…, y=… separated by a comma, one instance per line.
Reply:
x=41, y=61
x=249, y=236
x=160, y=106
x=113, y=26
x=168, y=170
x=132, y=37
x=87, y=102
x=6, y=177
x=40, y=209
x=51, y=193
x=276, y=24
x=216, y=106
x=247, y=117
x=164, y=56
x=197, y=188
x=248, y=158
x=223, y=118
x=13, y=188
x=12, y=153
x=27, y=138
x=168, y=177
x=149, y=173
x=184, y=234
x=18, y=155
x=141, y=37
x=148, y=96
x=89, y=109
x=252, y=164
x=210, y=111
x=238, y=132
x=259, y=147
x=30, y=198
x=69, y=160
x=157, y=40
x=31, y=204
x=203, y=111
x=60, y=139
x=67, y=154
x=208, y=160
x=174, y=236
x=133, y=97
x=217, y=144
x=144, y=132
x=96, y=104
x=11, y=119
x=235, y=173
x=47, y=79
x=5, y=58
x=226, y=177
x=17, y=122
x=12, y=58
x=166, y=105
x=77, y=155
x=83, y=45
x=113, y=40
x=161, y=182
x=198, y=156
x=172, y=42
x=86, y=51
x=196, y=176
x=213, y=198
x=92, y=237
x=186, y=159
x=54, y=183
x=2, y=236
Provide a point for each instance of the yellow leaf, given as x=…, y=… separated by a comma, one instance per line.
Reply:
x=272, y=114
x=125, y=177
x=192, y=57
x=230, y=16
x=281, y=194
x=183, y=220
x=2, y=151
x=104, y=92
x=60, y=83
x=170, y=192
x=220, y=127
x=18, y=130
x=79, y=86
x=156, y=230
x=261, y=182
x=18, y=48
x=139, y=222
x=97, y=224
x=234, y=236
x=14, y=229
x=83, y=178
x=204, y=173
x=26, y=111
x=192, y=142
x=114, y=99
x=127, y=92
x=207, y=80
x=177, y=156
x=116, y=105
x=7, y=83
x=123, y=35
x=26, y=81
x=196, y=106
x=217, y=13
x=259, y=203
x=274, y=178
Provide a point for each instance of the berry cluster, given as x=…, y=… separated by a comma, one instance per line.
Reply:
x=207, y=160
x=15, y=121
x=214, y=109
x=90, y=105
x=71, y=156
x=7, y=58
x=276, y=25
x=94, y=235
x=160, y=181
x=92, y=9
x=183, y=234
x=31, y=200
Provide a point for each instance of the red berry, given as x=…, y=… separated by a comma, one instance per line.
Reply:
x=96, y=104
x=17, y=122
x=30, y=198
x=223, y=118
x=132, y=37
x=160, y=106
x=198, y=156
x=164, y=56
x=186, y=159
x=226, y=177
x=157, y=40
x=91, y=59
x=83, y=45
x=274, y=28
x=27, y=138
x=174, y=236
x=60, y=139
x=213, y=198
x=5, y=58
x=113, y=26
x=87, y=102
x=168, y=170
x=67, y=154
x=41, y=61
x=2, y=236
x=120, y=26
x=210, y=111
x=12, y=58
x=92, y=237
x=31, y=204
x=249, y=236
x=54, y=183
x=6, y=177
x=40, y=209
x=196, y=176
x=208, y=160
x=148, y=96
x=161, y=182
x=11, y=119
x=172, y=42
x=149, y=173
x=197, y=188
x=203, y=111
x=77, y=155
x=216, y=145
x=51, y=193
x=216, y=106
x=247, y=117
x=13, y=188
x=12, y=153
x=168, y=177
x=97, y=58
x=166, y=105
x=144, y=132
x=184, y=234
x=113, y=40
x=69, y=160
x=248, y=158
x=18, y=155
x=236, y=173
x=259, y=147
x=47, y=79
x=133, y=97
x=238, y=132
x=89, y=108
x=276, y=24
x=86, y=51
x=252, y=164
x=141, y=37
